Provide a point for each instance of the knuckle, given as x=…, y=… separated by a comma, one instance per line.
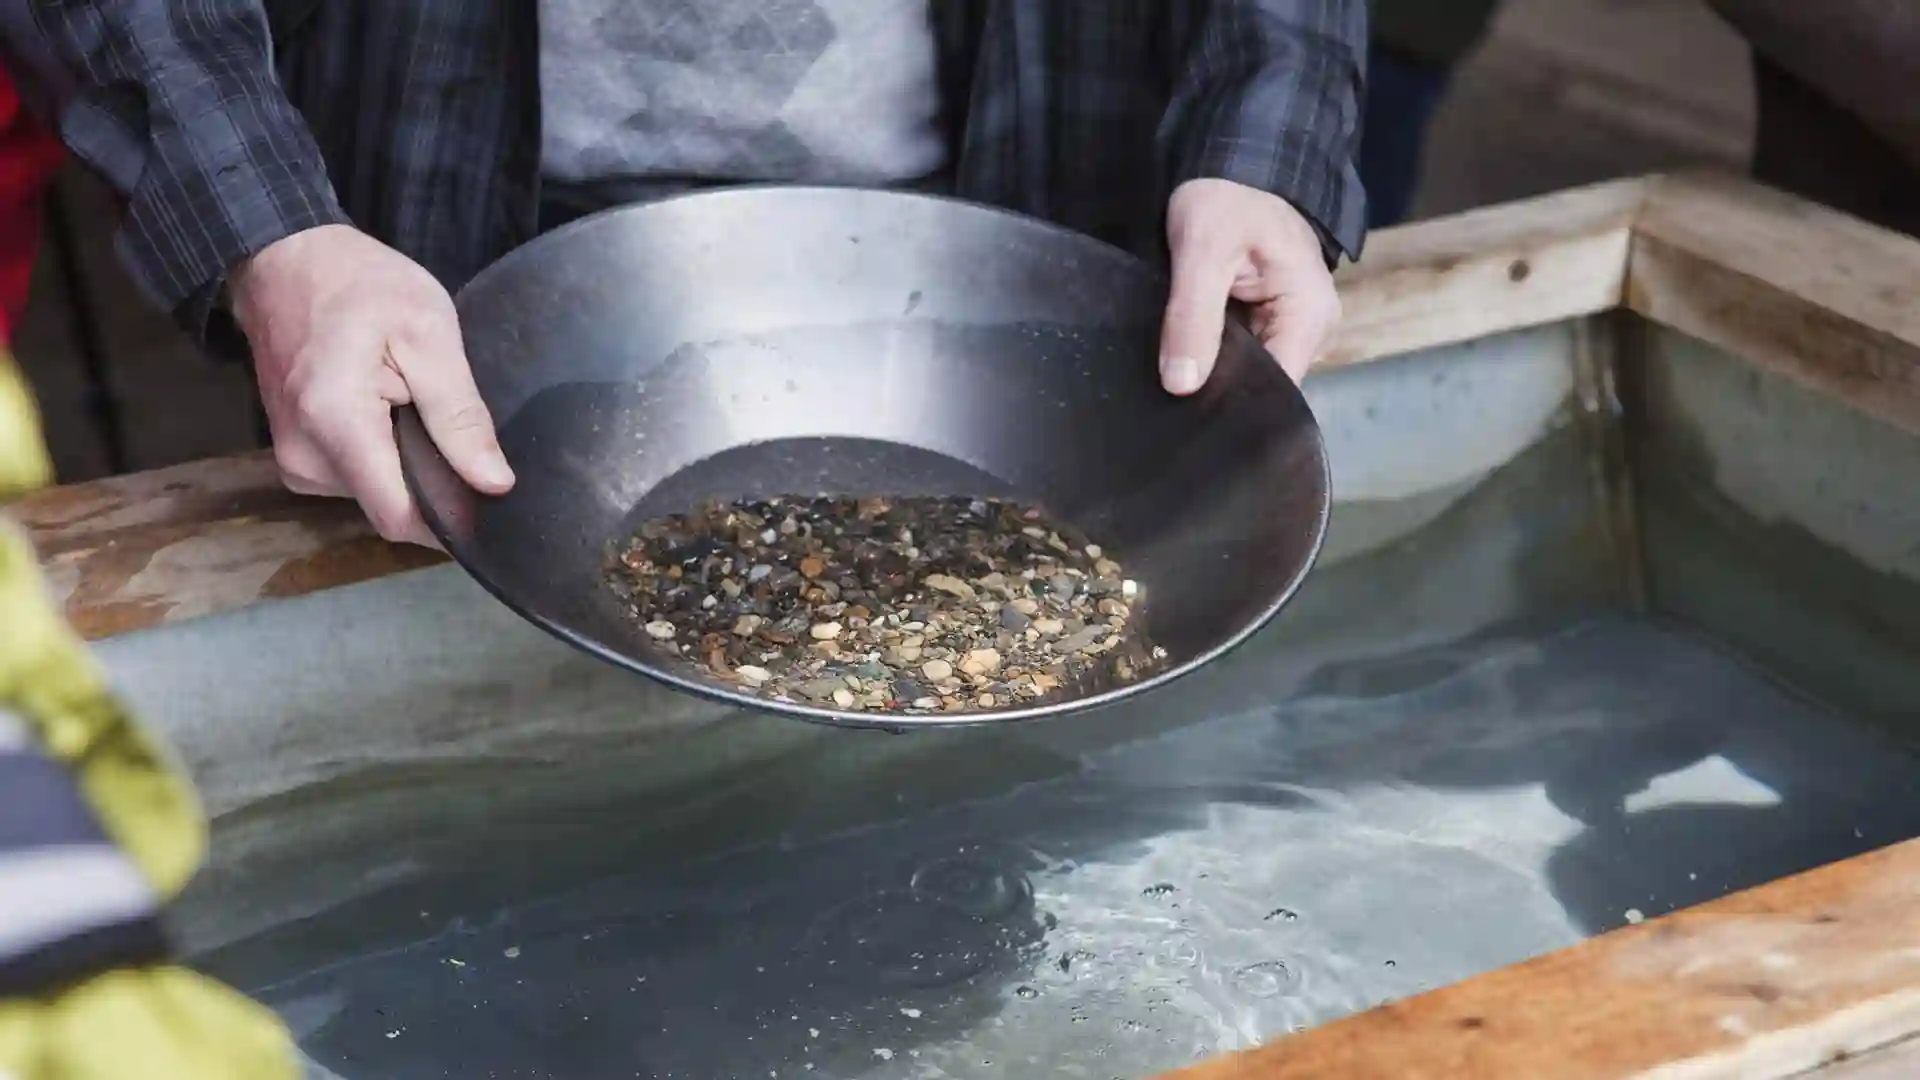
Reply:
x=471, y=416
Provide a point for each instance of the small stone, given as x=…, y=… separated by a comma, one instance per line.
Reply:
x=981, y=662
x=843, y=698
x=937, y=670
x=1106, y=568
x=1049, y=627
x=753, y=676
x=813, y=566
x=985, y=701
x=825, y=631
x=926, y=703
x=952, y=586
x=1012, y=618
x=1083, y=641
x=660, y=630
x=1129, y=588
x=1093, y=551
x=747, y=625
x=820, y=689
x=759, y=573
x=1112, y=608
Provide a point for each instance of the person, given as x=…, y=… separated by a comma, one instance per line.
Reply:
x=29, y=157
x=325, y=173
x=1416, y=46
x=1836, y=85
x=98, y=828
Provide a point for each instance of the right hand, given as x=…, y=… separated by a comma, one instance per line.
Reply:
x=344, y=328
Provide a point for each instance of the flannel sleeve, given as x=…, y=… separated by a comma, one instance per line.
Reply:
x=1269, y=95
x=177, y=105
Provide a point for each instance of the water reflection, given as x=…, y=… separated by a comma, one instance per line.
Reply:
x=1219, y=885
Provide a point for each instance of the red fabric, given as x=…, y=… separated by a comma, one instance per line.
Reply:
x=29, y=154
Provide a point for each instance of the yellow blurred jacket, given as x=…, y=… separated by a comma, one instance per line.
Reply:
x=99, y=831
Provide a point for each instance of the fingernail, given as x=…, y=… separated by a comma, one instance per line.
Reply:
x=1180, y=374
x=495, y=471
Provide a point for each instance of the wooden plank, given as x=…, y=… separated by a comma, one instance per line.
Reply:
x=1816, y=295
x=1901, y=1061
x=1762, y=985
x=136, y=551
x=1487, y=271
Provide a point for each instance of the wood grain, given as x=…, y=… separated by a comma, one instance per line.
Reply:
x=1811, y=293
x=1486, y=271
x=137, y=551
x=1761, y=985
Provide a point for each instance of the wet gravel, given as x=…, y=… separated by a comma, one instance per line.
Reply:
x=913, y=605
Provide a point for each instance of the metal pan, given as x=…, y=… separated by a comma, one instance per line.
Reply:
x=763, y=341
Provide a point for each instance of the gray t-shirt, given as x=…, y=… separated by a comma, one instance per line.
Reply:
x=644, y=96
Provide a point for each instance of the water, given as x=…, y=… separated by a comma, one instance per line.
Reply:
x=1175, y=897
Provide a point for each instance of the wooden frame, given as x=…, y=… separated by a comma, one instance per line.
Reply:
x=1800, y=974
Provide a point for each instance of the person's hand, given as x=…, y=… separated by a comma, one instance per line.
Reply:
x=1229, y=240
x=344, y=328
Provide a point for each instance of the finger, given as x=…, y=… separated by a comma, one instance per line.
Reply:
x=356, y=434
x=304, y=468
x=433, y=361
x=1196, y=315
x=1296, y=330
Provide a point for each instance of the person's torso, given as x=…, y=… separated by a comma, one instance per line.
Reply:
x=645, y=96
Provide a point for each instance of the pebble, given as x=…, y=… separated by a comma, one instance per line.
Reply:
x=825, y=631
x=937, y=670
x=660, y=630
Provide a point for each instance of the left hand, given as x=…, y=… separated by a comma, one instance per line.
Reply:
x=1230, y=240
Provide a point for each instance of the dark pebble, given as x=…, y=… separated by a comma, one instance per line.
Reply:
x=1013, y=620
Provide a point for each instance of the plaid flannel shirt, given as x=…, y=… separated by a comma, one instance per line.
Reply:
x=229, y=124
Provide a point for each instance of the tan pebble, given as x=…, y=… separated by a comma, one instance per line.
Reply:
x=746, y=625
x=937, y=670
x=843, y=698
x=1113, y=608
x=1093, y=551
x=1049, y=627
x=661, y=631
x=981, y=662
x=813, y=566
x=926, y=703
x=952, y=586
x=753, y=676
x=914, y=641
x=1026, y=605
x=825, y=631
x=1106, y=568
x=1035, y=532
x=986, y=701
x=827, y=649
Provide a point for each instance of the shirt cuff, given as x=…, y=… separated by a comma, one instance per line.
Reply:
x=1323, y=185
x=212, y=196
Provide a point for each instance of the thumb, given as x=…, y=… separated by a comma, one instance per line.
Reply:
x=440, y=385
x=1196, y=316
